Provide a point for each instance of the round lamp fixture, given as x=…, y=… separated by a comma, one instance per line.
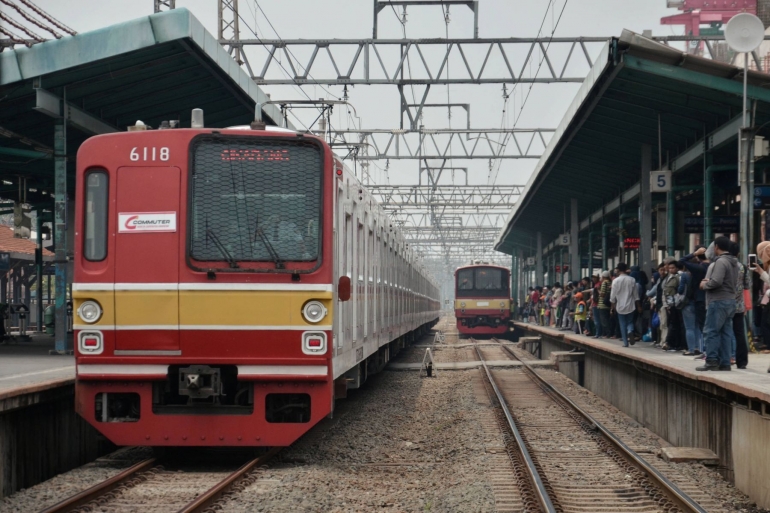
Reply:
x=744, y=32
x=90, y=311
x=313, y=311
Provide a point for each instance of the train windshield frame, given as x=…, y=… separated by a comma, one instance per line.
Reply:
x=482, y=282
x=255, y=199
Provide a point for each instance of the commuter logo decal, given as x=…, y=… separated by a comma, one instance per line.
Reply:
x=136, y=222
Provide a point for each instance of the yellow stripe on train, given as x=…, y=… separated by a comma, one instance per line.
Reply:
x=202, y=308
x=482, y=304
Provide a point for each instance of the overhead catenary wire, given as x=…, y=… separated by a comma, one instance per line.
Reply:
x=537, y=72
x=267, y=19
x=492, y=178
x=402, y=21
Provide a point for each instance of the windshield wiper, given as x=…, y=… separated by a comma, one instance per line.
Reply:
x=270, y=249
x=222, y=249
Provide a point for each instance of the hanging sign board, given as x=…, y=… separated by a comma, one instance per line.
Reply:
x=762, y=197
x=719, y=224
x=631, y=242
x=660, y=181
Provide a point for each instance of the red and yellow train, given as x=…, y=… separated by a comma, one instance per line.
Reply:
x=229, y=284
x=482, y=300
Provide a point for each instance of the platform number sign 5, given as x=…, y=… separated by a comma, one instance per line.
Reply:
x=660, y=181
x=149, y=154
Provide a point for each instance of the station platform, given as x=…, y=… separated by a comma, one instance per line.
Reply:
x=27, y=367
x=40, y=433
x=753, y=382
x=726, y=412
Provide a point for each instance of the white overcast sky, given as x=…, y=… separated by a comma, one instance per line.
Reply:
x=378, y=106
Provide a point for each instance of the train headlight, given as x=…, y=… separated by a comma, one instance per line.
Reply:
x=462, y=304
x=502, y=304
x=313, y=311
x=90, y=311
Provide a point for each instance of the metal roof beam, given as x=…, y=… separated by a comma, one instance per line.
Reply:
x=51, y=105
x=696, y=78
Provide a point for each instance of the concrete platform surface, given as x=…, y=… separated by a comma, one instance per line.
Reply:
x=687, y=454
x=753, y=382
x=27, y=365
x=469, y=365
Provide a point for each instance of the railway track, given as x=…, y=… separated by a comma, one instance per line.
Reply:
x=143, y=485
x=565, y=459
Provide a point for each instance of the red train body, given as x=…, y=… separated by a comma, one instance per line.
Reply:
x=482, y=300
x=210, y=286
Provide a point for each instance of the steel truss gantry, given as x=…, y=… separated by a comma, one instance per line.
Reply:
x=164, y=5
x=455, y=198
x=383, y=61
x=420, y=217
x=445, y=143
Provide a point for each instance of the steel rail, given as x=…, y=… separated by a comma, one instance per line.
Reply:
x=674, y=493
x=101, y=489
x=208, y=498
x=534, y=475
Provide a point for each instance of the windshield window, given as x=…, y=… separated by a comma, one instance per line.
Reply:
x=489, y=279
x=255, y=199
x=482, y=282
x=465, y=279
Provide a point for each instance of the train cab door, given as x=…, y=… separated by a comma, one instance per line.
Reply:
x=147, y=262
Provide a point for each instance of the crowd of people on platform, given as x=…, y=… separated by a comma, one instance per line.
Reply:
x=695, y=305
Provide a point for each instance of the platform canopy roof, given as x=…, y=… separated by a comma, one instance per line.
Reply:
x=153, y=68
x=638, y=92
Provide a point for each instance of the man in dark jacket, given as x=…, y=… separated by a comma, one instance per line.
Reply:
x=694, y=312
x=719, y=285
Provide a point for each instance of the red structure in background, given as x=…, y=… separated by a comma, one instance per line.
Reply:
x=706, y=12
x=714, y=13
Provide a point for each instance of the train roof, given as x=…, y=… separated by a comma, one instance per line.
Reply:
x=481, y=265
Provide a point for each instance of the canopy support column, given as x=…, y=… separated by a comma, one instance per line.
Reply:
x=645, y=211
x=39, y=272
x=574, y=241
x=60, y=231
x=539, y=260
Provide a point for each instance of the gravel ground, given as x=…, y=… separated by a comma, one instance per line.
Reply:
x=65, y=485
x=401, y=443
x=686, y=475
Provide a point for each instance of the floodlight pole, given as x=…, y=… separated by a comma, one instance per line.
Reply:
x=745, y=166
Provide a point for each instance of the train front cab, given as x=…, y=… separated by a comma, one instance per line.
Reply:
x=482, y=300
x=188, y=331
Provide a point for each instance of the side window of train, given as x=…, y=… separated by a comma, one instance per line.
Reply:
x=360, y=251
x=95, y=215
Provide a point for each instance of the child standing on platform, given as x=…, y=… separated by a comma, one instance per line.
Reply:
x=580, y=315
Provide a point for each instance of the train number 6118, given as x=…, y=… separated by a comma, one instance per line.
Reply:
x=148, y=154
